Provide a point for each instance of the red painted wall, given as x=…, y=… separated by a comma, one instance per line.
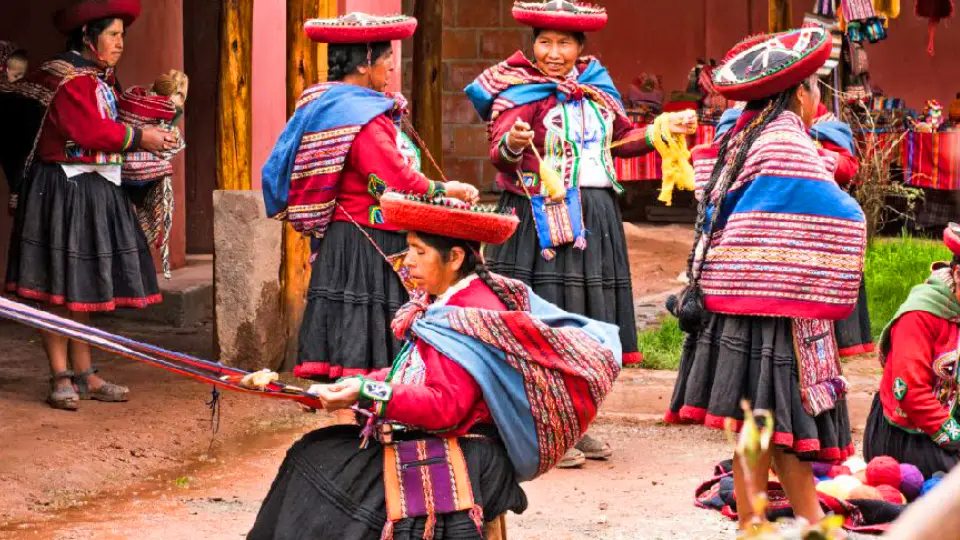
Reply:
x=269, y=90
x=154, y=44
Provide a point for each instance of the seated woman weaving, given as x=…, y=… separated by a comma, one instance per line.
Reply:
x=468, y=409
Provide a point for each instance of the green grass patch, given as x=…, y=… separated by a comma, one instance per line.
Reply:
x=661, y=346
x=893, y=266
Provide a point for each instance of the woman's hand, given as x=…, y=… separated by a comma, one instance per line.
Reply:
x=462, y=191
x=337, y=396
x=519, y=137
x=154, y=139
x=683, y=122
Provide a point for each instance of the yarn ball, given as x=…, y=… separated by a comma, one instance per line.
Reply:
x=861, y=476
x=865, y=492
x=855, y=464
x=911, y=481
x=883, y=471
x=821, y=469
x=891, y=494
x=837, y=490
x=929, y=485
x=839, y=470
x=847, y=483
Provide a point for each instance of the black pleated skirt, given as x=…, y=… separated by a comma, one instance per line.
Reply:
x=853, y=333
x=594, y=282
x=753, y=358
x=352, y=298
x=328, y=488
x=883, y=439
x=76, y=242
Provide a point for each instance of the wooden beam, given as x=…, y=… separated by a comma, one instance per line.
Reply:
x=427, y=94
x=781, y=15
x=305, y=61
x=234, y=106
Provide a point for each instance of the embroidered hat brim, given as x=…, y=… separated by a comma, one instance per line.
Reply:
x=360, y=28
x=72, y=17
x=447, y=217
x=761, y=68
x=951, y=238
x=563, y=16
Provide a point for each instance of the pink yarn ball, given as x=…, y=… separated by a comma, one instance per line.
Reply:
x=891, y=494
x=883, y=471
x=839, y=470
x=911, y=481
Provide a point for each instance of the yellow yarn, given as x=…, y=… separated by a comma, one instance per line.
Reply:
x=889, y=9
x=551, y=180
x=672, y=147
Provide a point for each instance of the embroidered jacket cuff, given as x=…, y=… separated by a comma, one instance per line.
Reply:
x=506, y=153
x=949, y=434
x=132, y=140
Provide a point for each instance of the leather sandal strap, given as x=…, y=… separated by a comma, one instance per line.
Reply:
x=88, y=372
x=62, y=375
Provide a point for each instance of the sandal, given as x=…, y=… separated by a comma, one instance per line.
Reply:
x=107, y=391
x=593, y=448
x=65, y=399
x=572, y=459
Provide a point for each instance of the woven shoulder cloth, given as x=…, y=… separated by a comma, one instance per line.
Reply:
x=301, y=178
x=516, y=81
x=788, y=241
x=543, y=372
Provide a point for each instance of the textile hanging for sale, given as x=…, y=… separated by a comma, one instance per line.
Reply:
x=863, y=22
x=932, y=160
x=825, y=8
x=781, y=15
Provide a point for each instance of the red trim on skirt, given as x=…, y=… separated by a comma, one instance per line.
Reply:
x=60, y=300
x=308, y=370
x=696, y=415
x=633, y=359
x=857, y=350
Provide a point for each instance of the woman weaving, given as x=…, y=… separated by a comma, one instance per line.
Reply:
x=334, y=159
x=560, y=111
x=471, y=403
x=777, y=259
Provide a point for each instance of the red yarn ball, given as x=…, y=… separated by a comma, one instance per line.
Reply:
x=883, y=471
x=891, y=494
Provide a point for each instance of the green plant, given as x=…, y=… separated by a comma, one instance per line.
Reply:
x=661, y=346
x=893, y=266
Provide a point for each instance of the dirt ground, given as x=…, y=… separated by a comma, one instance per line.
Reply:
x=150, y=468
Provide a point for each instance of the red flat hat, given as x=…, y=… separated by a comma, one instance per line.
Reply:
x=756, y=68
x=951, y=237
x=447, y=217
x=360, y=28
x=560, y=15
x=70, y=18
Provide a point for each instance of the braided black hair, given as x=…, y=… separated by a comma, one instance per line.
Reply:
x=472, y=263
x=689, y=308
x=91, y=31
x=344, y=58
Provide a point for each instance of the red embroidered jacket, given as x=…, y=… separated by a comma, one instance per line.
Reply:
x=534, y=114
x=81, y=125
x=374, y=164
x=448, y=397
x=919, y=386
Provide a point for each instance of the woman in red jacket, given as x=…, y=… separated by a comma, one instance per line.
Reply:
x=915, y=416
x=76, y=240
x=337, y=155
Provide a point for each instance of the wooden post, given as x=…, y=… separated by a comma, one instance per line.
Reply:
x=305, y=61
x=781, y=15
x=234, y=106
x=427, y=95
